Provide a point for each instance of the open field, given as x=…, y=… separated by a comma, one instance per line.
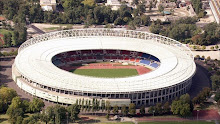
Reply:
x=108, y=73
x=4, y=31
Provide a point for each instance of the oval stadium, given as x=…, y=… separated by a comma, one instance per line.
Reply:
x=119, y=66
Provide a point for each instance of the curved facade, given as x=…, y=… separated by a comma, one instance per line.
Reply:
x=34, y=72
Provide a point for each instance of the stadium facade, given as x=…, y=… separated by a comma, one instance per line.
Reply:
x=35, y=73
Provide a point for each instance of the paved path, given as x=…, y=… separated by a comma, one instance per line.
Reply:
x=6, y=78
x=37, y=29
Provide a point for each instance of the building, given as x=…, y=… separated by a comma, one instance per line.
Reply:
x=215, y=8
x=34, y=69
x=115, y=4
x=48, y=5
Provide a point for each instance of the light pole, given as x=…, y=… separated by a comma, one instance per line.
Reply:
x=67, y=118
x=153, y=113
x=197, y=114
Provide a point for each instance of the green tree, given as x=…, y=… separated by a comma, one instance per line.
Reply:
x=103, y=105
x=158, y=109
x=132, y=109
x=49, y=113
x=182, y=106
x=215, y=81
x=108, y=106
x=89, y=2
x=44, y=117
x=73, y=111
x=145, y=20
x=151, y=110
x=36, y=105
x=142, y=110
x=124, y=110
x=8, y=39
x=115, y=110
x=155, y=28
x=7, y=94
x=15, y=109
x=166, y=107
x=203, y=47
x=60, y=114
x=160, y=8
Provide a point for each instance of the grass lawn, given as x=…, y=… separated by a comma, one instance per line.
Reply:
x=4, y=31
x=179, y=122
x=108, y=73
x=51, y=28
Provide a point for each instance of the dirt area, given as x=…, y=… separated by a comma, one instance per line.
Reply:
x=208, y=18
x=53, y=27
x=212, y=54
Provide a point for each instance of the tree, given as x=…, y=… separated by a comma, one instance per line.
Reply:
x=89, y=2
x=7, y=94
x=124, y=110
x=145, y=20
x=131, y=25
x=155, y=28
x=15, y=109
x=151, y=110
x=215, y=81
x=203, y=47
x=26, y=105
x=197, y=56
x=103, y=105
x=8, y=39
x=158, y=109
x=60, y=114
x=108, y=107
x=212, y=48
x=216, y=47
x=150, y=6
x=115, y=110
x=132, y=109
x=142, y=110
x=208, y=58
x=36, y=105
x=44, y=117
x=73, y=111
x=160, y=8
x=182, y=106
x=166, y=108
x=49, y=113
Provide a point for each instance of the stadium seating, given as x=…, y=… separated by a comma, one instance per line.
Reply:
x=145, y=55
x=146, y=62
x=154, y=65
x=85, y=55
x=154, y=58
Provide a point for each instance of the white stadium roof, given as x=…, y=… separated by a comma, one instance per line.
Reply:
x=35, y=62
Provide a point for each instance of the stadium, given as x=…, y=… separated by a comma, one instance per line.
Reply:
x=129, y=67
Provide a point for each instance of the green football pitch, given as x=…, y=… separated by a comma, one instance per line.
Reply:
x=106, y=73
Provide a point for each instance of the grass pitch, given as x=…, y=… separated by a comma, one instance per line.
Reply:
x=106, y=73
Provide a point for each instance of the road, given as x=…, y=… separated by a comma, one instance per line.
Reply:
x=6, y=79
